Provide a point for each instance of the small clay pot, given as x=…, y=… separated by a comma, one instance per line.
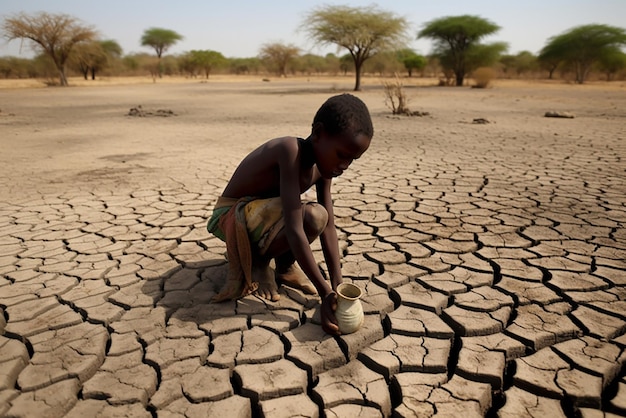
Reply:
x=349, y=311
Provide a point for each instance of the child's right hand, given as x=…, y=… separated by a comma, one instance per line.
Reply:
x=329, y=321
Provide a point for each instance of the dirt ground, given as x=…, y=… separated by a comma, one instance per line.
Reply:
x=71, y=137
x=489, y=241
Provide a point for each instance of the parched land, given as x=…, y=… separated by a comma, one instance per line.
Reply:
x=489, y=241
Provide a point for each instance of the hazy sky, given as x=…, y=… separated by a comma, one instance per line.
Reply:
x=238, y=28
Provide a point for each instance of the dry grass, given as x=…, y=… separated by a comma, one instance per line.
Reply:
x=483, y=77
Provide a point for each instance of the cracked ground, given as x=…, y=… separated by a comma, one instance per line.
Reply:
x=492, y=257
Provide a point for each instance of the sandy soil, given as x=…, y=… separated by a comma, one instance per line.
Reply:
x=58, y=138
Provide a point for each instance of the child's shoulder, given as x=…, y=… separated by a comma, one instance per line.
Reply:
x=284, y=141
x=284, y=144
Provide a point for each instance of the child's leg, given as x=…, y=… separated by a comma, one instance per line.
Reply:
x=263, y=275
x=315, y=219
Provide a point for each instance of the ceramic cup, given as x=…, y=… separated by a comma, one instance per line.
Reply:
x=349, y=311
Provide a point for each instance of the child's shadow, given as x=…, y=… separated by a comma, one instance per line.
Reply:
x=185, y=294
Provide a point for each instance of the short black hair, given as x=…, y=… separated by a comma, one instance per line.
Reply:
x=345, y=113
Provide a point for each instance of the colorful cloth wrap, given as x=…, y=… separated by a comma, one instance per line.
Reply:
x=240, y=223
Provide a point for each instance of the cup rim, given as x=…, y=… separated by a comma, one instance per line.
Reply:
x=345, y=286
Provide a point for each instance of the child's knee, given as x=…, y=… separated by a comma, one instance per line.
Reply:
x=315, y=219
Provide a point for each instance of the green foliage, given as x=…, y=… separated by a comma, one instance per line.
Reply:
x=583, y=46
x=520, y=64
x=484, y=55
x=333, y=63
x=141, y=63
x=384, y=63
x=346, y=63
x=168, y=65
x=206, y=61
x=457, y=44
x=94, y=56
x=411, y=60
x=160, y=39
x=245, y=65
x=312, y=64
x=14, y=67
x=363, y=31
x=612, y=62
x=130, y=62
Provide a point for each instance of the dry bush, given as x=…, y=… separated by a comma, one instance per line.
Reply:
x=483, y=77
x=395, y=97
x=397, y=100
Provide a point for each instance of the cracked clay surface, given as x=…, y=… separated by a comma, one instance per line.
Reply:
x=492, y=257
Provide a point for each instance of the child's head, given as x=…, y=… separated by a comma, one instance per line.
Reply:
x=344, y=113
x=342, y=131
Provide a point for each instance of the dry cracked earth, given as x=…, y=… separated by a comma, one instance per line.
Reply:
x=492, y=258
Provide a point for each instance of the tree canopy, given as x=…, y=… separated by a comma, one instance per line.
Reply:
x=411, y=60
x=160, y=39
x=613, y=61
x=94, y=56
x=278, y=55
x=206, y=60
x=54, y=34
x=583, y=46
x=363, y=31
x=455, y=37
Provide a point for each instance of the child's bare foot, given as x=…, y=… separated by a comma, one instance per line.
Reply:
x=232, y=289
x=294, y=277
x=267, y=285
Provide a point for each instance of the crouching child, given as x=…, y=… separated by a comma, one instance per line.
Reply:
x=261, y=217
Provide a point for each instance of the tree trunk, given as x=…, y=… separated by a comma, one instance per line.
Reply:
x=460, y=75
x=582, y=70
x=62, y=77
x=93, y=73
x=60, y=68
x=357, y=67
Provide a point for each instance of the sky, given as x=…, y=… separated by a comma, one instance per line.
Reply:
x=239, y=28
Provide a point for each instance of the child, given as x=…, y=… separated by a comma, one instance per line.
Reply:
x=260, y=215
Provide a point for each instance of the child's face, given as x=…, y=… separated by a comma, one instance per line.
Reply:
x=335, y=153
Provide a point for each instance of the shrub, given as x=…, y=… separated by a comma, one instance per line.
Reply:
x=483, y=77
x=395, y=97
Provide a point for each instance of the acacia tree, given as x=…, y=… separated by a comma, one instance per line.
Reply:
x=94, y=56
x=612, y=62
x=161, y=40
x=549, y=61
x=454, y=38
x=278, y=55
x=53, y=34
x=583, y=46
x=363, y=31
x=411, y=60
x=519, y=64
x=206, y=60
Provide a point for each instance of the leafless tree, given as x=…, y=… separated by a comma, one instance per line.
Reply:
x=53, y=34
x=278, y=55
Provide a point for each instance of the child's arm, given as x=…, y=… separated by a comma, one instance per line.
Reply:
x=328, y=238
x=289, y=165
